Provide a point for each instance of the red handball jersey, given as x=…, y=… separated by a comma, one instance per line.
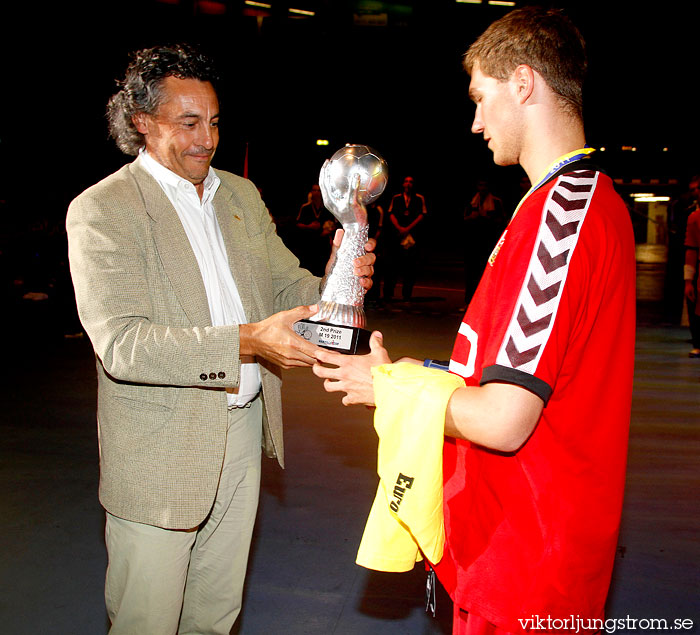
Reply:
x=533, y=533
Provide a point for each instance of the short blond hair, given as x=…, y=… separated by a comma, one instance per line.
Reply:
x=543, y=39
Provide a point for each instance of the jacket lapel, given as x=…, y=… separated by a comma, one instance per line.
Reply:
x=174, y=249
x=230, y=218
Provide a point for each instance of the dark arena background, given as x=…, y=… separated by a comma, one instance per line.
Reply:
x=386, y=74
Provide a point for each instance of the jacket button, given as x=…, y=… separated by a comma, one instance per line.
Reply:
x=222, y=374
x=203, y=377
x=212, y=375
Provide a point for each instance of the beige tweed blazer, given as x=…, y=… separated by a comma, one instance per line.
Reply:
x=162, y=368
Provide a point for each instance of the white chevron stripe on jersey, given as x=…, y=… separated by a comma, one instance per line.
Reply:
x=466, y=370
x=536, y=309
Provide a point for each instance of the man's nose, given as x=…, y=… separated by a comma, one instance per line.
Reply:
x=205, y=136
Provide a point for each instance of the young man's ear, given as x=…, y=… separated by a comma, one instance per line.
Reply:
x=524, y=78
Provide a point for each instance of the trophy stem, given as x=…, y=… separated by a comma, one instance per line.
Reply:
x=343, y=296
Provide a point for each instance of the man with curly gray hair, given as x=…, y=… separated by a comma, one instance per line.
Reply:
x=142, y=89
x=188, y=296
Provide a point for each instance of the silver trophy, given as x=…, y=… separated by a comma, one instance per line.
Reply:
x=353, y=177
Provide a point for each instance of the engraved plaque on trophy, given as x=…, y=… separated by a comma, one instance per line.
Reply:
x=353, y=177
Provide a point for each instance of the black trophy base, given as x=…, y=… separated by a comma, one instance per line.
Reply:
x=349, y=340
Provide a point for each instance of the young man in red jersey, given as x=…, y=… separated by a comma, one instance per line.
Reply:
x=536, y=441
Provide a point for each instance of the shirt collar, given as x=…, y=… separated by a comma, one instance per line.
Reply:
x=167, y=177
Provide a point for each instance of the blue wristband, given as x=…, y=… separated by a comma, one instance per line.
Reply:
x=434, y=363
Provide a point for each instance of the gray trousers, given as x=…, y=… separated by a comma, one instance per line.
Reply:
x=163, y=582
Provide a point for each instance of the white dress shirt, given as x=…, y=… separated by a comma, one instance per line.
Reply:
x=202, y=228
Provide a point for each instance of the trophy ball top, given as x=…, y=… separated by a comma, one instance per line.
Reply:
x=351, y=160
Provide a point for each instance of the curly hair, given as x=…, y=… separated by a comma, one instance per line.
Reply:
x=141, y=90
x=544, y=39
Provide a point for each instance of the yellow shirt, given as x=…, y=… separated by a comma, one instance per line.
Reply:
x=406, y=516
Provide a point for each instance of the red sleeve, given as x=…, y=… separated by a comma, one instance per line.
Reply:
x=533, y=344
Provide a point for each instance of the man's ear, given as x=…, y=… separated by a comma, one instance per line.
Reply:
x=524, y=78
x=140, y=121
